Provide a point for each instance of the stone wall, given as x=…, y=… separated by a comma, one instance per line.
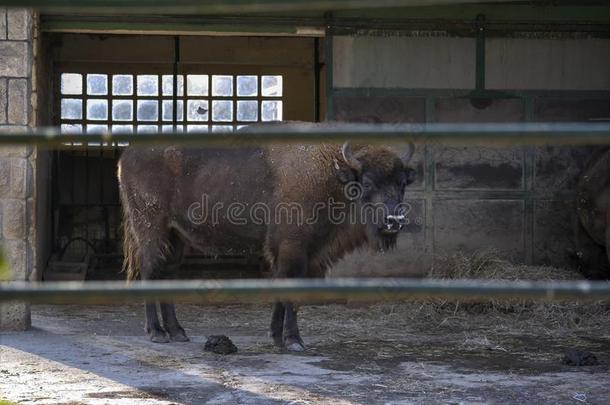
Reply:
x=17, y=237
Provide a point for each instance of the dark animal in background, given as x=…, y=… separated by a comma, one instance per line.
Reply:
x=159, y=187
x=593, y=209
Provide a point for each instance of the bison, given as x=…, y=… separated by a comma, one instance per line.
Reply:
x=302, y=206
x=593, y=209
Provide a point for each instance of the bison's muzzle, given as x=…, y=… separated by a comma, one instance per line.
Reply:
x=393, y=224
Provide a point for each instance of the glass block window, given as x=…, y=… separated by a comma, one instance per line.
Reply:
x=140, y=103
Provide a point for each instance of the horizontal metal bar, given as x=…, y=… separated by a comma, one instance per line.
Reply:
x=525, y=134
x=379, y=17
x=220, y=6
x=471, y=93
x=297, y=290
x=458, y=20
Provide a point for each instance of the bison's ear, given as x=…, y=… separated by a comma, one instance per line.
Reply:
x=344, y=174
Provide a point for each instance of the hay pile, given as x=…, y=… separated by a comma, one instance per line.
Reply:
x=485, y=265
x=488, y=265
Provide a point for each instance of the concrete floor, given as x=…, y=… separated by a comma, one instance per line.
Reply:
x=98, y=355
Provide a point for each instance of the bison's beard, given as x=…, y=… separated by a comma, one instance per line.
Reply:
x=380, y=241
x=388, y=242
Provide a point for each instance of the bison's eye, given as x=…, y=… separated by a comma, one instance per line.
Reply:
x=367, y=185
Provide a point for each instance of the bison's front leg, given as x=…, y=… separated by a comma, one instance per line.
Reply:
x=291, y=263
x=292, y=337
x=284, y=327
x=608, y=236
x=277, y=324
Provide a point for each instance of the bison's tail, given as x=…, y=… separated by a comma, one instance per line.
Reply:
x=131, y=254
x=131, y=250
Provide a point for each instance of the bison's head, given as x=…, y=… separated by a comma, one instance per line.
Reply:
x=377, y=178
x=591, y=260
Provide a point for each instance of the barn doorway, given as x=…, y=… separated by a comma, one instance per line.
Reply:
x=139, y=84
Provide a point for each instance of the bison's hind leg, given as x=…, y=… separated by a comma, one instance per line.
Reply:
x=292, y=336
x=171, y=324
x=159, y=259
x=168, y=311
x=151, y=258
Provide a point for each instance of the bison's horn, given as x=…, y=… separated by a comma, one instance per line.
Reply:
x=408, y=153
x=349, y=158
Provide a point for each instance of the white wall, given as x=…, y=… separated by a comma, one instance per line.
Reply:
x=408, y=62
x=449, y=63
x=544, y=64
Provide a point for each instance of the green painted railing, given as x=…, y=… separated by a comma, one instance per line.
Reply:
x=526, y=134
x=222, y=6
x=333, y=290
x=297, y=290
x=307, y=290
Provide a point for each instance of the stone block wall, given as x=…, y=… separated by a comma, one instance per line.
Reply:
x=17, y=97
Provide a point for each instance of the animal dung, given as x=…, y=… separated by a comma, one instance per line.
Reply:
x=219, y=344
x=576, y=357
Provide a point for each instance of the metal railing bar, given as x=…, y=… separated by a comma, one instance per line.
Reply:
x=524, y=133
x=298, y=290
x=219, y=6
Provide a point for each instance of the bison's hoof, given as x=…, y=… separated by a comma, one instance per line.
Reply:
x=294, y=344
x=158, y=336
x=278, y=340
x=159, y=339
x=178, y=336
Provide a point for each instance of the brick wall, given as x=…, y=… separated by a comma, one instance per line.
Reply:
x=17, y=236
